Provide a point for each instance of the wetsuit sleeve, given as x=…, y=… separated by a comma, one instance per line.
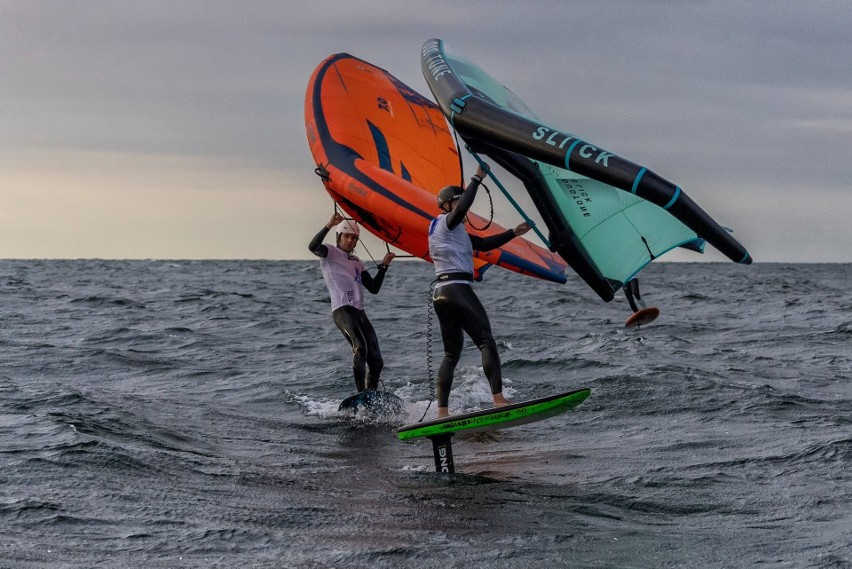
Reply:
x=316, y=246
x=465, y=202
x=492, y=241
x=373, y=284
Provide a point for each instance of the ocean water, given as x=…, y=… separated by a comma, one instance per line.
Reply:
x=184, y=414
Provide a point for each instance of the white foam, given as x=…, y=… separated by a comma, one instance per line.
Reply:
x=325, y=409
x=471, y=392
x=417, y=468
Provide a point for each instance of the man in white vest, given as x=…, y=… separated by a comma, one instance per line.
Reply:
x=346, y=280
x=458, y=308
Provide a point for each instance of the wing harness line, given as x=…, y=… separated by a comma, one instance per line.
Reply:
x=490, y=217
x=511, y=199
x=337, y=209
x=387, y=247
x=361, y=243
x=429, y=372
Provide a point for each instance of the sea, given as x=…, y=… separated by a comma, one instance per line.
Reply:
x=177, y=414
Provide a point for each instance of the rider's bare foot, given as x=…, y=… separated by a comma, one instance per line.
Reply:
x=499, y=400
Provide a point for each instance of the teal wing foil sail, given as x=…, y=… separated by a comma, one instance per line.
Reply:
x=607, y=217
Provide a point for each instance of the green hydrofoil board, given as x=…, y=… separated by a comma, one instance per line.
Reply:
x=497, y=417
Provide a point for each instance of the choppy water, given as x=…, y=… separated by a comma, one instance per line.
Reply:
x=183, y=414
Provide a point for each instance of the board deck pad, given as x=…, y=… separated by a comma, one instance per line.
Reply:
x=497, y=417
x=372, y=400
x=642, y=317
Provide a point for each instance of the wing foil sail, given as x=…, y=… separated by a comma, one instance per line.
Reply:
x=384, y=151
x=607, y=216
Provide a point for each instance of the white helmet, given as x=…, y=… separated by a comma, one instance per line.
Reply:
x=348, y=226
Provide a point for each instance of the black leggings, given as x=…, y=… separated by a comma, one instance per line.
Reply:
x=631, y=291
x=459, y=310
x=361, y=336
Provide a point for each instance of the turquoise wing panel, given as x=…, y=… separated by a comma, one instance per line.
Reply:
x=620, y=232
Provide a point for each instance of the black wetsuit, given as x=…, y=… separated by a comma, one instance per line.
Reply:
x=460, y=311
x=367, y=362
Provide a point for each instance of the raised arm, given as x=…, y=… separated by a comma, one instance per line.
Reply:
x=456, y=217
x=374, y=284
x=316, y=246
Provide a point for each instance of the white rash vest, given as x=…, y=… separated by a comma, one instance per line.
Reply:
x=451, y=250
x=342, y=274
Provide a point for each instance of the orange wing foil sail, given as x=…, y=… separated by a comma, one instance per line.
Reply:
x=383, y=151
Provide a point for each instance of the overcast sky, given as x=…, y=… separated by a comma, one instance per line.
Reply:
x=176, y=129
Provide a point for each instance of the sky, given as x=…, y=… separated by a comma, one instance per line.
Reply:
x=175, y=130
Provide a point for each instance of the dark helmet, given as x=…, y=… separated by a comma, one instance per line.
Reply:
x=449, y=194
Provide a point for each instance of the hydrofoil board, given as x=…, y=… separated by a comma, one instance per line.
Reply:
x=497, y=417
x=642, y=317
x=373, y=401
